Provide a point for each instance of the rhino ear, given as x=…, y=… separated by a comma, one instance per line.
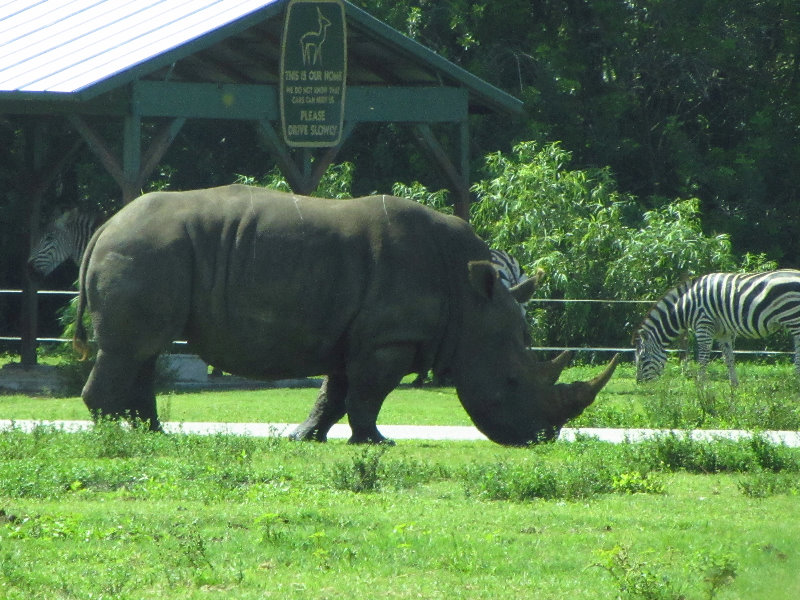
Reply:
x=482, y=277
x=522, y=292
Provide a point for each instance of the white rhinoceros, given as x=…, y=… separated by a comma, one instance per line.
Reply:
x=270, y=285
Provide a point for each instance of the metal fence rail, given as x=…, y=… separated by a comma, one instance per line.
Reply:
x=51, y=340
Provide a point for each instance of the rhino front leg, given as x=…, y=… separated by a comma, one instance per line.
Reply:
x=327, y=410
x=370, y=381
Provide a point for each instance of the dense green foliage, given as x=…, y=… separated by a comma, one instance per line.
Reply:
x=592, y=241
x=681, y=100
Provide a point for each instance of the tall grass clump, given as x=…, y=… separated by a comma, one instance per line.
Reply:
x=369, y=471
x=641, y=578
x=558, y=473
x=673, y=452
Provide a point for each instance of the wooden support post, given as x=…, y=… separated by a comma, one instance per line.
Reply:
x=42, y=165
x=34, y=159
x=305, y=177
x=99, y=147
x=132, y=171
x=280, y=152
x=157, y=148
x=131, y=156
x=464, y=198
x=457, y=177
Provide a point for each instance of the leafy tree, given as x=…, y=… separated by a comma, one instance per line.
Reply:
x=593, y=242
x=679, y=99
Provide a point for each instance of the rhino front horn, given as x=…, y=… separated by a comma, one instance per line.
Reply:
x=577, y=396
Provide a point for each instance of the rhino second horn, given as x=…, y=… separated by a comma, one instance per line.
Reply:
x=549, y=371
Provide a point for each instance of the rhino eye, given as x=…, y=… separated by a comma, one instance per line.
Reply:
x=512, y=382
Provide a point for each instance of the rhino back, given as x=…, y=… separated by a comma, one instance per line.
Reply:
x=270, y=284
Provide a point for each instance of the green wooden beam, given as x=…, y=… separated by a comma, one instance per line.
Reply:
x=113, y=103
x=205, y=100
x=406, y=104
x=260, y=102
x=364, y=104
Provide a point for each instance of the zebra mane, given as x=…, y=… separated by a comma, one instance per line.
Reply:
x=62, y=218
x=670, y=297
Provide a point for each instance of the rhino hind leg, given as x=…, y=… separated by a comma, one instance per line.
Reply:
x=118, y=387
x=327, y=410
x=142, y=402
x=107, y=390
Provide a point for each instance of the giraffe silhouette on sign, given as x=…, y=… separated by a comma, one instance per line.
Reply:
x=311, y=42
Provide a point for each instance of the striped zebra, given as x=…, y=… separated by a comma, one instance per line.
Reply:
x=719, y=307
x=65, y=238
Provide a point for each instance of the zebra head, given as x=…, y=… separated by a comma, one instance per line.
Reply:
x=65, y=238
x=650, y=356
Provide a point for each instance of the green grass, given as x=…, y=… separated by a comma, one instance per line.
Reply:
x=404, y=406
x=767, y=398
x=126, y=514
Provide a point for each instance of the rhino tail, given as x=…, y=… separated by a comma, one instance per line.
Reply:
x=79, y=338
x=79, y=343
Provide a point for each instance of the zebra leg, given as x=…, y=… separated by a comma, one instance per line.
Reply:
x=727, y=352
x=796, y=338
x=703, y=339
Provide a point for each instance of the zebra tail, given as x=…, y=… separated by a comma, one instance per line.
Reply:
x=79, y=339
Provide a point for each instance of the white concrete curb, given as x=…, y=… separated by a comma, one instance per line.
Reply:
x=418, y=432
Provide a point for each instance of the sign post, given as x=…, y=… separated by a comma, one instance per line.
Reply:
x=313, y=73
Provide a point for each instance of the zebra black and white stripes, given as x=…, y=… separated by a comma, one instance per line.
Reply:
x=720, y=306
x=65, y=238
x=507, y=268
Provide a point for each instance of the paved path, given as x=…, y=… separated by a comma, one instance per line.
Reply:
x=415, y=432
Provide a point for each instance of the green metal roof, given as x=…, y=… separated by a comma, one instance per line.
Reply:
x=77, y=50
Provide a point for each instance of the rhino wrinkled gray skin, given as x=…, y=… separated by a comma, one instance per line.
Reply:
x=270, y=285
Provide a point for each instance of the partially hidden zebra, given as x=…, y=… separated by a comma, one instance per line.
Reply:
x=65, y=238
x=719, y=306
x=507, y=267
x=509, y=271
x=510, y=274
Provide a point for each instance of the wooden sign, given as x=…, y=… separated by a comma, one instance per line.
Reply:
x=313, y=73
